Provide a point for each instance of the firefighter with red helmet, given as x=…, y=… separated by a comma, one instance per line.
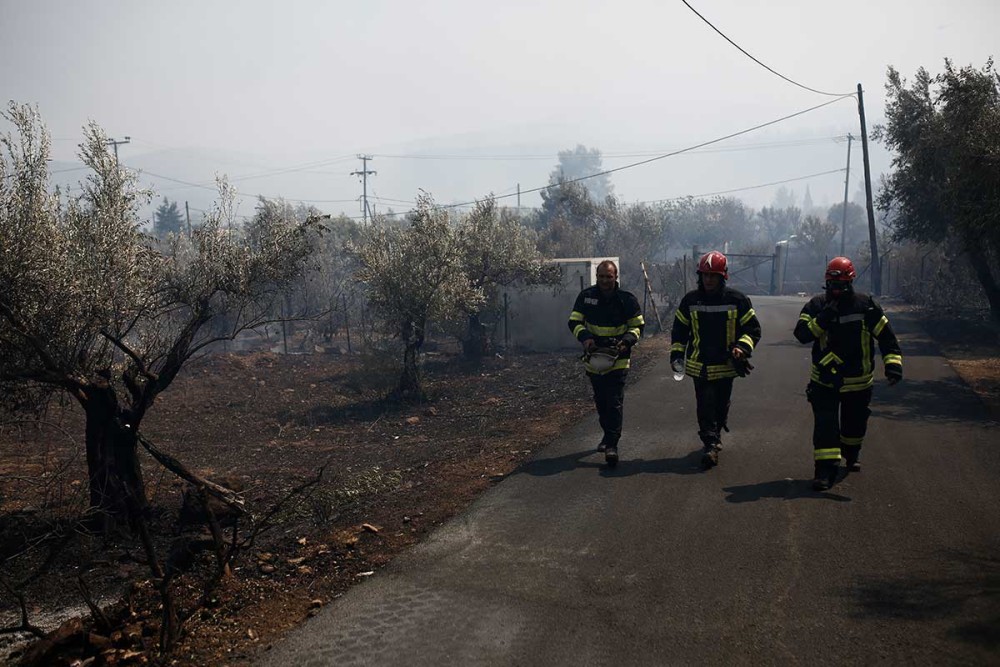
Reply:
x=714, y=333
x=843, y=326
x=607, y=321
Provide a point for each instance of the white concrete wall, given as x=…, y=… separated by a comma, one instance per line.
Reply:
x=537, y=315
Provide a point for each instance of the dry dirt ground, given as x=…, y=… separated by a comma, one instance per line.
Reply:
x=268, y=423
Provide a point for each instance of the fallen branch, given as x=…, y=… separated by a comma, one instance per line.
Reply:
x=265, y=524
x=217, y=537
x=25, y=626
x=100, y=619
x=228, y=496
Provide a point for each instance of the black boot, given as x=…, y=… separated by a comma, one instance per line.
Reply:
x=710, y=456
x=611, y=455
x=824, y=477
x=851, y=458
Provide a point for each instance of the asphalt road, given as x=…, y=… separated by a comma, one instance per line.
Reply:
x=656, y=562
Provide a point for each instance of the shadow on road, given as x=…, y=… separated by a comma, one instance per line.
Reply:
x=960, y=586
x=686, y=465
x=783, y=489
x=939, y=401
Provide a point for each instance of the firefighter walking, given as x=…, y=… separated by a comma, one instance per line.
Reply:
x=842, y=326
x=607, y=321
x=714, y=334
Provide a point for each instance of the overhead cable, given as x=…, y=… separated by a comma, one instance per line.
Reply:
x=659, y=157
x=604, y=154
x=743, y=189
x=244, y=194
x=769, y=69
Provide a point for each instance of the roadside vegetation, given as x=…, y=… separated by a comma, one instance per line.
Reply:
x=205, y=424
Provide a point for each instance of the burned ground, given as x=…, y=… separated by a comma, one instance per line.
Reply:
x=268, y=423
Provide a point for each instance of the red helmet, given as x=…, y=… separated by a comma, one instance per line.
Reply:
x=841, y=268
x=714, y=262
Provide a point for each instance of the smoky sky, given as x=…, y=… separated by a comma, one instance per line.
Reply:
x=465, y=98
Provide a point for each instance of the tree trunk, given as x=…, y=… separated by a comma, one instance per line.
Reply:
x=476, y=342
x=979, y=258
x=409, y=379
x=116, y=487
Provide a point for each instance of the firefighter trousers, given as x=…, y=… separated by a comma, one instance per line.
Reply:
x=840, y=420
x=609, y=396
x=712, y=398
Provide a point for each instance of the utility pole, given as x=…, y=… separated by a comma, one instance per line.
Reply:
x=519, y=201
x=847, y=181
x=876, y=269
x=187, y=212
x=364, y=176
x=115, y=143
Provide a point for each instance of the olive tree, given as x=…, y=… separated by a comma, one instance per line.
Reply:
x=414, y=274
x=92, y=308
x=944, y=133
x=815, y=235
x=495, y=250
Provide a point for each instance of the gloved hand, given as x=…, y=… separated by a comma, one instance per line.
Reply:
x=741, y=363
x=624, y=345
x=893, y=375
x=677, y=365
x=588, y=344
x=827, y=317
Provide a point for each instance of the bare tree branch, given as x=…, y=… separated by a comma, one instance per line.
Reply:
x=25, y=626
x=228, y=496
x=100, y=619
x=140, y=364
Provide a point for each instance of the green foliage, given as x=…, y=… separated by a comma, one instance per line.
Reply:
x=581, y=162
x=86, y=299
x=777, y=224
x=634, y=233
x=167, y=219
x=711, y=223
x=495, y=250
x=856, y=226
x=413, y=274
x=944, y=132
x=568, y=222
x=814, y=236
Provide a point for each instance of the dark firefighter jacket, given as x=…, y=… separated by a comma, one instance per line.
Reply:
x=609, y=321
x=706, y=328
x=842, y=333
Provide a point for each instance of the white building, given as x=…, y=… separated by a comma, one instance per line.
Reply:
x=536, y=316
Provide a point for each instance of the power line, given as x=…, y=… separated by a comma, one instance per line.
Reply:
x=660, y=157
x=605, y=154
x=364, y=176
x=743, y=189
x=744, y=52
x=116, y=143
x=244, y=194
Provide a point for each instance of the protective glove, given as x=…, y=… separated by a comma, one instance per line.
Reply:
x=827, y=317
x=893, y=375
x=624, y=345
x=741, y=363
x=677, y=365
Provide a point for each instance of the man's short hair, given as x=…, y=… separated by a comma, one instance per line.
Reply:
x=611, y=263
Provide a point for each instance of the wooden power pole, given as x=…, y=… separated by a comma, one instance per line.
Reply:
x=876, y=269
